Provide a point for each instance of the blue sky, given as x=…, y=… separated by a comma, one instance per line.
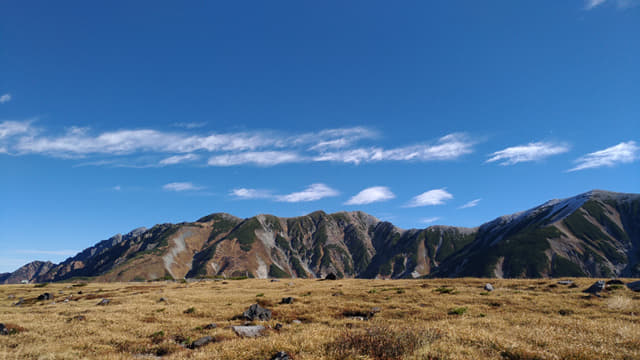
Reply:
x=128, y=114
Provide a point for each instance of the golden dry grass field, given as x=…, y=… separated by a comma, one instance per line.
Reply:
x=418, y=319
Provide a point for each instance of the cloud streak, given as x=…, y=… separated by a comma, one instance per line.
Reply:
x=371, y=195
x=449, y=147
x=623, y=153
x=534, y=151
x=246, y=194
x=470, y=204
x=430, y=198
x=181, y=186
x=312, y=193
x=5, y=98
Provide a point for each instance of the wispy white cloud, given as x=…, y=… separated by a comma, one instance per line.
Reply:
x=470, y=204
x=534, y=151
x=449, y=147
x=117, y=188
x=181, y=186
x=260, y=158
x=623, y=153
x=431, y=197
x=371, y=195
x=244, y=193
x=312, y=193
x=177, y=159
x=5, y=98
x=590, y=4
x=190, y=125
x=257, y=148
x=620, y=4
x=430, y=220
x=13, y=128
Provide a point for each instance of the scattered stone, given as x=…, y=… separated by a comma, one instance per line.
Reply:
x=615, y=282
x=275, y=280
x=281, y=355
x=375, y=310
x=488, y=287
x=3, y=330
x=11, y=297
x=297, y=322
x=634, y=286
x=201, y=342
x=45, y=296
x=331, y=276
x=20, y=302
x=594, y=289
x=291, y=284
x=359, y=315
x=565, y=282
x=278, y=327
x=287, y=300
x=104, y=302
x=164, y=300
x=257, y=312
x=248, y=331
x=79, y=318
x=210, y=326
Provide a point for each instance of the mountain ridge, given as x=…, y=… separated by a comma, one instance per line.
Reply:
x=596, y=233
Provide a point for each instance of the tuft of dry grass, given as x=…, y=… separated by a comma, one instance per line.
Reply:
x=521, y=319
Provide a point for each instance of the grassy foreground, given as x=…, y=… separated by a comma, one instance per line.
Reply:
x=418, y=319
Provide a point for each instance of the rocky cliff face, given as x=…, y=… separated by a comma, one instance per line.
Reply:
x=592, y=234
x=30, y=271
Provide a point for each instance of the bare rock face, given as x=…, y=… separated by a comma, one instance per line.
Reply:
x=28, y=272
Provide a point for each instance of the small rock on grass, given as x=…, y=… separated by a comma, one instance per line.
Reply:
x=248, y=331
x=104, y=302
x=565, y=282
x=596, y=288
x=287, y=300
x=488, y=287
x=634, y=286
x=201, y=342
x=257, y=312
x=281, y=355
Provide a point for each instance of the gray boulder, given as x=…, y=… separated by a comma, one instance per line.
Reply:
x=257, y=312
x=3, y=330
x=281, y=355
x=488, y=287
x=596, y=288
x=634, y=286
x=201, y=342
x=565, y=282
x=104, y=302
x=211, y=326
x=287, y=300
x=249, y=331
x=45, y=296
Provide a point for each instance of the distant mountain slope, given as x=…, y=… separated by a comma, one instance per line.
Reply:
x=592, y=234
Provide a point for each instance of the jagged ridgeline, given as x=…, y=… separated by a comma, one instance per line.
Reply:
x=592, y=234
